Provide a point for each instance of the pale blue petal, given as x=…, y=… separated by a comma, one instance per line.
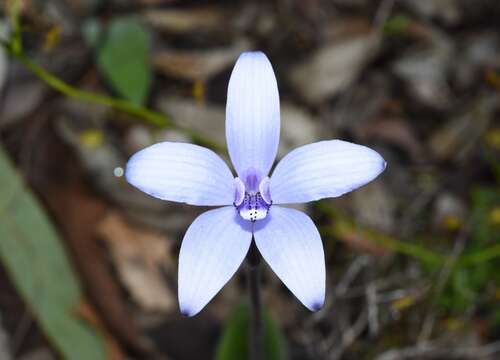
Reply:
x=323, y=169
x=291, y=245
x=182, y=172
x=252, y=114
x=213, y=248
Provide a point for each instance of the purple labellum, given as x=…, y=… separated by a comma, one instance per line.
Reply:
x=253, y=207
x=252, y=198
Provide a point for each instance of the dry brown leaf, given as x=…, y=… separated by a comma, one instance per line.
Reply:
x=208, y=120
x=358, y=242
x=195, y=64
x=374, y=206
x=113, y=350
x=139, y=255
x=396, y=132
x=180, y=21
x=456, y=138
x=301, y=128
x=334, y=67
x=205, y=119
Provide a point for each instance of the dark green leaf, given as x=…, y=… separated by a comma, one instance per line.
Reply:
x=31, y=251
x=123, y=56
x=234, y=343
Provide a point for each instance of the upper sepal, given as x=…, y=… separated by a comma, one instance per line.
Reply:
x=252, y=114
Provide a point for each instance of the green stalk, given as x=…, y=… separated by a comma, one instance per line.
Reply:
x=54, y=82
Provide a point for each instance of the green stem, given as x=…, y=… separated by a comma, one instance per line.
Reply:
x=480, y=256
x=149, y=116
x=54, y=82
x=342, y=226
x=16, y=45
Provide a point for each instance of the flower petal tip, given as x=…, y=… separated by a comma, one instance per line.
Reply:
x=187, y=312
x=252, y=54
x=316, y=306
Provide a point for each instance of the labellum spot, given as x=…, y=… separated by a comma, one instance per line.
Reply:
x=252, y=205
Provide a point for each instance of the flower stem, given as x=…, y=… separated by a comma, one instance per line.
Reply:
x=253, y=261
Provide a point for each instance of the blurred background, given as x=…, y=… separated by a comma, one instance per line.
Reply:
x=88, y=263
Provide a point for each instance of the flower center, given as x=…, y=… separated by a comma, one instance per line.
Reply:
x=253, y=207
x=252, y=199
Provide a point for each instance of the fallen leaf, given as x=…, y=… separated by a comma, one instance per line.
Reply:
x=205, y=119
x=113, y=350
x=208, y=120
x=301, y=128
x=334, y=67
x=425, y=69
x=456, y=138
x=358, y=239
x=21, y=96
x=195, y=65
x=139, y=255
x=374, y=206
x=396, y=132
x=180, y=21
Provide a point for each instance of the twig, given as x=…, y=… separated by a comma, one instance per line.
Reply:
x=448, y=352
x=349, y=335
x=444, y=275
x=371, y=303
x=383, y=13
x=354, y=268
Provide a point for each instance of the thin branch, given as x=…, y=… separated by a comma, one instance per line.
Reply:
x=429, y=351
x=458, y=247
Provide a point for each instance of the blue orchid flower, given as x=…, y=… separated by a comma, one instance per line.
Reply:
x=218, y=240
